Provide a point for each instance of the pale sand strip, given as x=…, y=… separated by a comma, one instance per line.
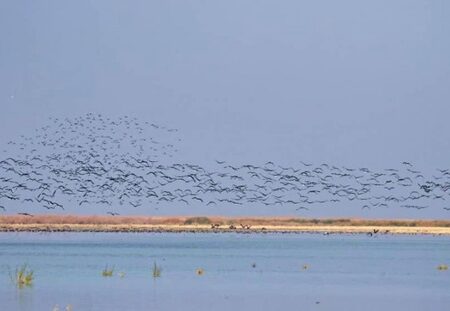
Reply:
x=224, y=228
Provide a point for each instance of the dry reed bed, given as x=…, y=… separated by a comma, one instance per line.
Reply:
x=184, y=220
x=217, y=224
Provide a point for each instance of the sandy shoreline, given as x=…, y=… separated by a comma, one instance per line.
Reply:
x=71, y=223
x=206, y=229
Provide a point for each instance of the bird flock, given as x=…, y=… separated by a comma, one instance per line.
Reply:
x=94, y=160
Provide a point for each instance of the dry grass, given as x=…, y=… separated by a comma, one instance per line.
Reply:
x=197, y=221
x=223, y=221
x=216, y=223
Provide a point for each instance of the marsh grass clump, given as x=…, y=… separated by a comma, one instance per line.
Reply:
x=22, y=277
x=108, y=272
x=199, y=271
x=156, y=271
x=442, y=267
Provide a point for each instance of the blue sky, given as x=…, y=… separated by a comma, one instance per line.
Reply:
x=356, y=83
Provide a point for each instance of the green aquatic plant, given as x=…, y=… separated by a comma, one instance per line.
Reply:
x=108, y=272
x=442, y=267
x=156, y=271
x=22, y=277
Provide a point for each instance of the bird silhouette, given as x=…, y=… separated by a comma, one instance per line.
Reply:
x=93, y=160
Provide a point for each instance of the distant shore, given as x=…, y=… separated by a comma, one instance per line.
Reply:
x=77, y=223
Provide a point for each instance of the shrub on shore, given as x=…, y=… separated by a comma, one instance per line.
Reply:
x=197, y=221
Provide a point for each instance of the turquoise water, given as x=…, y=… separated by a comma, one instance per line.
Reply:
x=345, y=272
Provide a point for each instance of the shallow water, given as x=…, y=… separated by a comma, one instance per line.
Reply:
x=345, y=272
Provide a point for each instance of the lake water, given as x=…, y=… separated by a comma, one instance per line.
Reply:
x=344, y=272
